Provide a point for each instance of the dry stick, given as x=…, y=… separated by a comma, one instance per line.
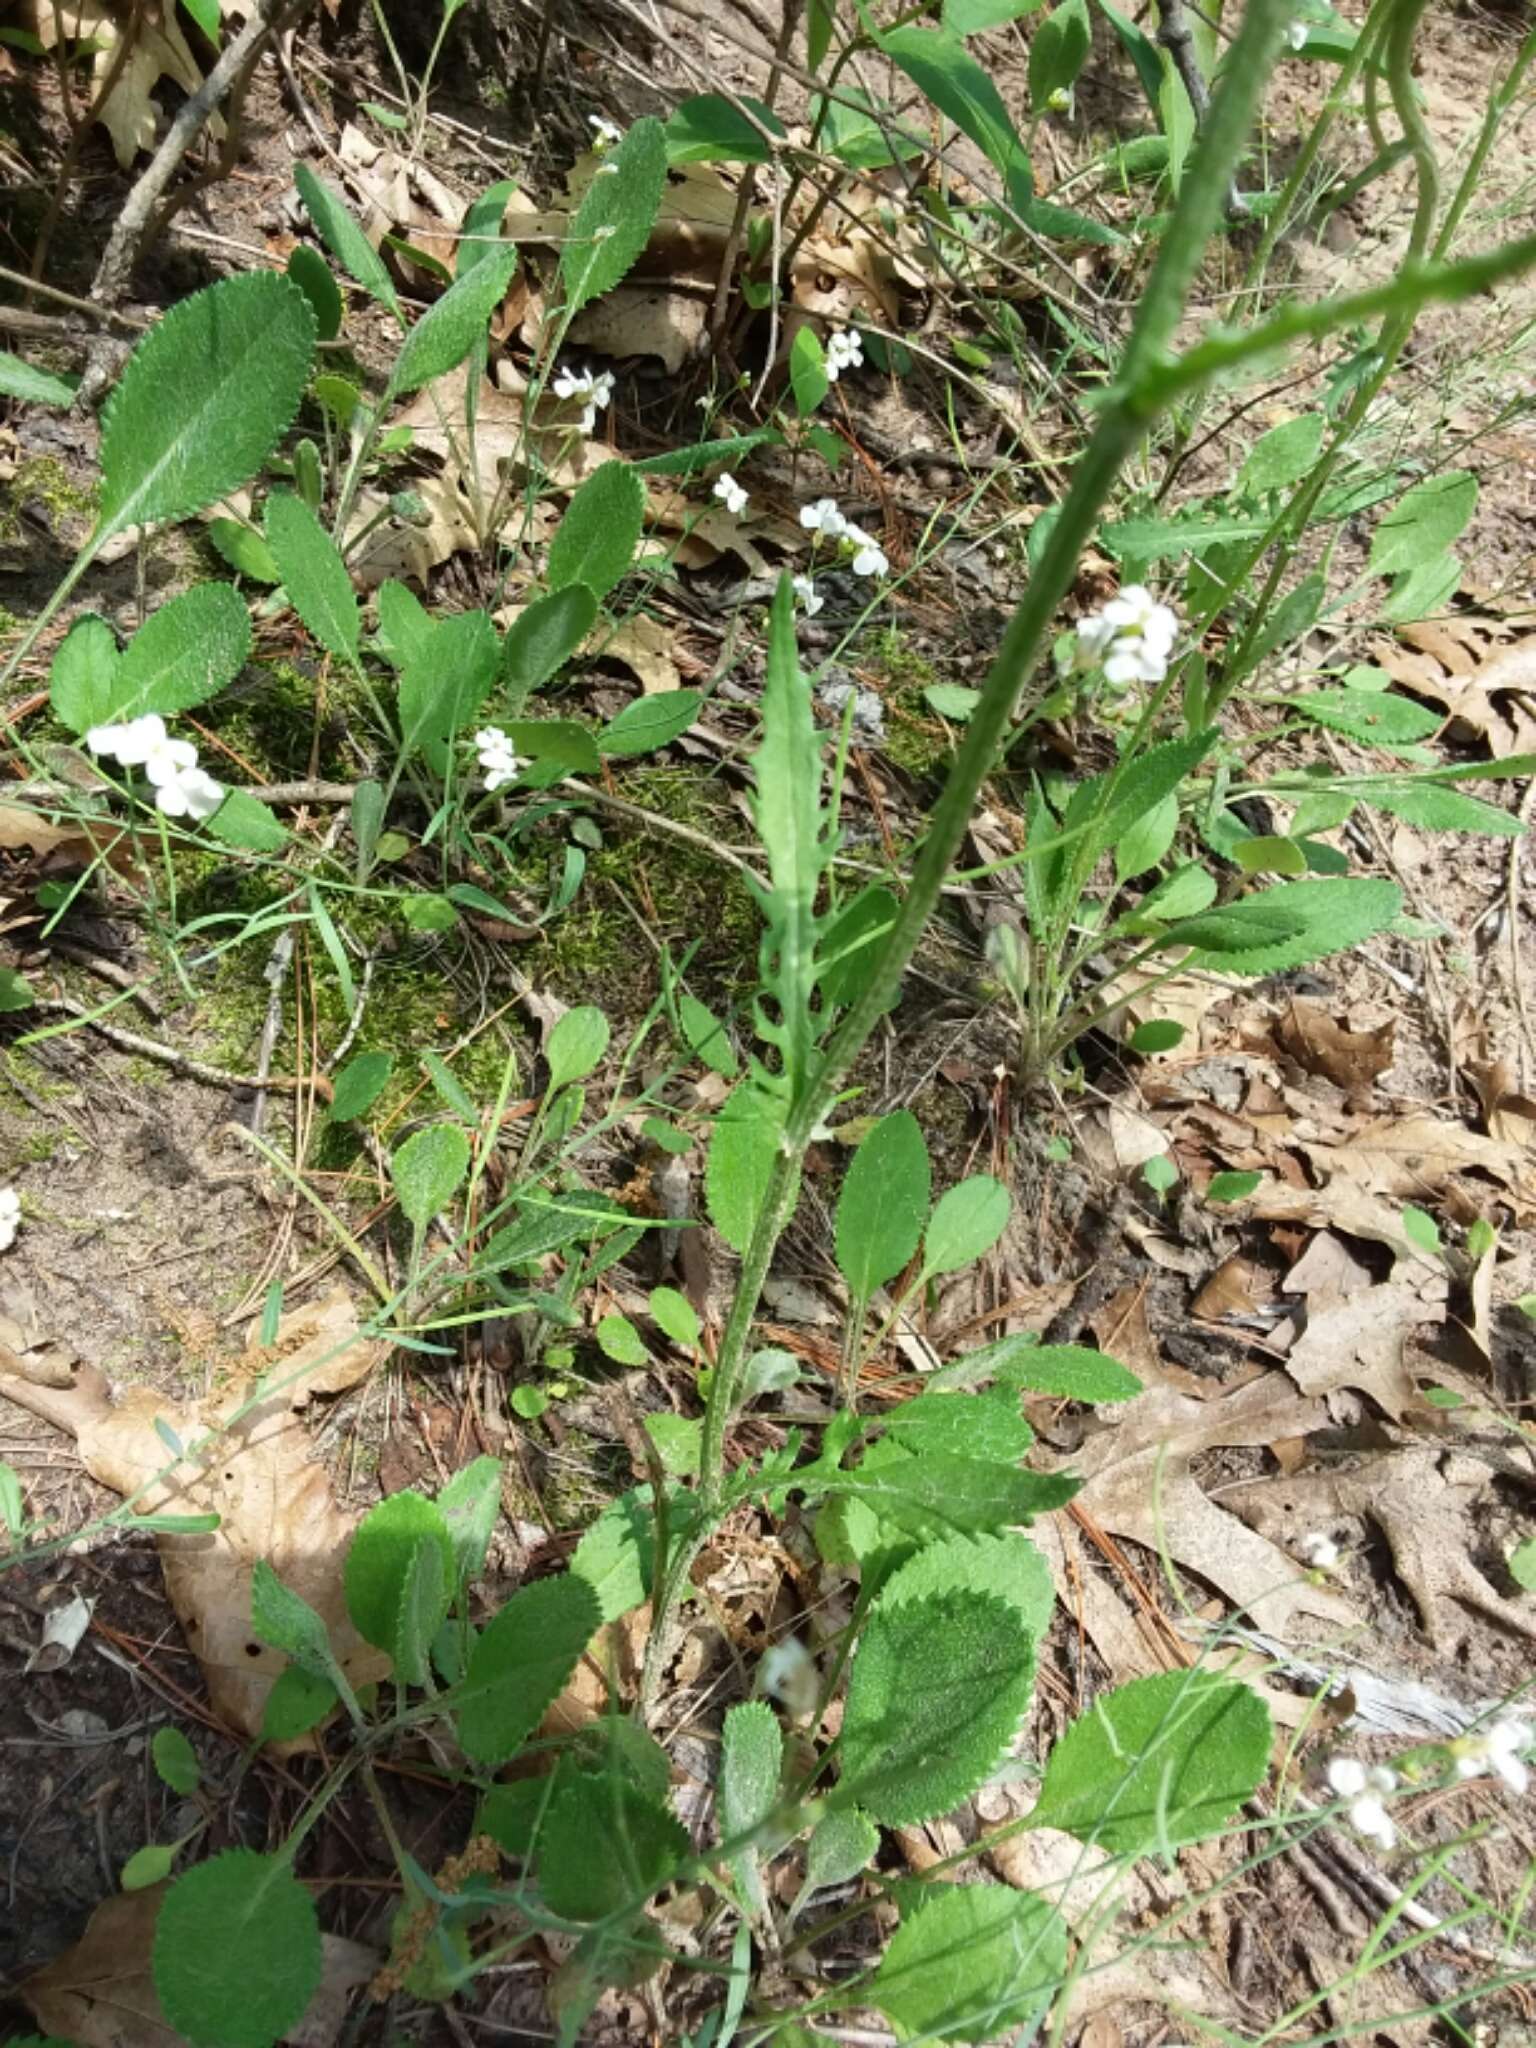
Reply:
x=1178, y=39
x=168, y=1055
x=91, y=311
x=133, y=223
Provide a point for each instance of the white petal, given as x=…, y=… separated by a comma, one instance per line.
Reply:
x=171, y=798
x=1370, y=1818
x=1346, y=1776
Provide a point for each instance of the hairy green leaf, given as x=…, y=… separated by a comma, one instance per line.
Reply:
x=708, y=128
x=808, y=377
x=851, y=944
x=1440, y=809
x=378, y=1574
x=286, y=1621
x=522, y=1661
x=970, y=1425
x=1283, y=456
x=237, y=1951
x=1376, y=717
x=1057, y=52
x=23, y=380
x=444, y=683
x=883, y=1204
x=843, y=1842
x=650, y=722
x=1289, y=925
x=470, y=1504
x=938, y=1688
x=204, y=399
x=314, y=575
x=676, y=1316
x=359, y=1085
x=606, y=1845
x=972, y=1962
x=405, y=624
x=312, y=274
x=297, y=1702
x=940, y=1494
x=1423, y=522
x=743, y=1145
x=183, y=654
x=176, y=1761
x=576, y=1045
x=751, y=1760
x=596, y=540
x=244, y=550
x=344, y=238
x=451, y=325
x=1160, y=1761
x=944, y=71
x=83, y=678
x=614, y=220
x=967, y=1221
x=427, y=1170
x=1072, y=1372
x=1008, y=1565
x=244, y=821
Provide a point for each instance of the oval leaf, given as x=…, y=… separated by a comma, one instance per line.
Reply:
x=183, y=654
x=596, y=541
x=972, y=1962
x=883, y=1204
x=967, y=1221
x=427, y=1170
x=521, y=1663
x=449, y=329
x=237, y=1951
x=314, y=575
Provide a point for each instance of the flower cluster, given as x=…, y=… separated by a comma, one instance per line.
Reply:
x=731, y=494
x=1133, y=637
x=593, y=387
x=1365, y=1788
x=497, y=757
x=182, y=789
x=827, y=522
x=845, y=351
x=1496, y=1753
x=10, y=1217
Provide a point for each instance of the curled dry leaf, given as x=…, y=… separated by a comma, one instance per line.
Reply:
x=1508, y=1115
x=101, y=1992
x=1319, y=1044
x=664, y=321
x=273, y=1502
x=1412, y=1157
x=129, y=113
x=644, y=646
x=1458, y=664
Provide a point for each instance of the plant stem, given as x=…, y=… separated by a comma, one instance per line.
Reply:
x=1121, y=427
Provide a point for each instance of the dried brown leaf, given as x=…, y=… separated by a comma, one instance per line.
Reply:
x=1453, y=663
x=1413, y=1156
x=129, y=113
x=1319, y=1044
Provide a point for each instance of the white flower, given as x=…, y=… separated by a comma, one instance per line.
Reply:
x=824, y=518
x=845, y=351
x=787, y=1673
x=605, y=133
x=869, y=558
x=806, y=595
x=594, y=387
x=1365, y=1791
x=1320, y=1551
x=731, y=494
x=1132, y=636
x=1296, y=34
x=1496, y=1753
x=497, y=757
x=189, y=792
x=132, y=744
x=10, y=1217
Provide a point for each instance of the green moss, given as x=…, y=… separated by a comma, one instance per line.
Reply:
x=44, y=479
x=915, y=739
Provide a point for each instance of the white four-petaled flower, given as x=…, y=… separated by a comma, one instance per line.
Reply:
x=845, y=351
x=731, y=494
x=807, y=596
x=10, y=1217
x=182, y=789
x=1132, y=637
x=824, y=518
x=1365, y=1789
x=498, y=758
x=1496, y=1753
x=593, y=387
x=869, y=558
x=605, y=133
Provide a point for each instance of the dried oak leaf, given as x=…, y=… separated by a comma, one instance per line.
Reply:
x=1456, y=663
x=1421, y=1498
x=272, y=1501
x=1414, y=1156
x=159, y=50
x=101, y=1992
x=1319, y=1044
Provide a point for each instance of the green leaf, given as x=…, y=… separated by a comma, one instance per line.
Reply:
x=1232, y=1187
x=16, y=992
x=1008, y=1565
x=619, y=1340
x=1158, y=1762
x=938, y=1689
x=1283, y=456
x=297, y=1702
x=150, y=1865
x=730, y=449
x=360, y=1084
x=596, y=541
x=1421, y=592
x=312, y=274
x=1372, y=716
x=883, y=1204
x=378, y=1572
x=286, y=1621
x=940, y=66
x=244, y=821
x=808, y=371
x=843, y=1842
x=1119, y=800
x=553, y=747
x=1141, y=50
x=576, y=1045
x=176, y=1761
x=1072, y=1372
x=1058, y=51
x=237, y=1951
x=706, y=1036
x=427, y=1170
x=743, y=1146
x=244, y=550
x=183, y=654
x=679, y=1441
x=973, y=1962
x=13, y=1512
x=344, y=238
x=1522, y=1564
x=522, y=1662
x=606, y=1845
x=751, y=1761
x=972, y=1425
x=1158, y=1034
x=21, y=380
x=615, y=1555
x=480, y=234
x=451, y=325
x=614, y=220
x=967, y=1221
x=1439, y=809
x=405, y=625
x=708, y=128
x=83, y=678
x=1423, y=523
x=469, y=1505
x=675, y=1316
x=425, y=1597
x=940, y=1494
x=236, y=357
x=952, y=700
x=852, y=943
x=1421, y=1229
x=1289, y=925
x=1146, y=839
x=313, y=574
x=650, y=722
x=971, y=17
x=445, y=682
